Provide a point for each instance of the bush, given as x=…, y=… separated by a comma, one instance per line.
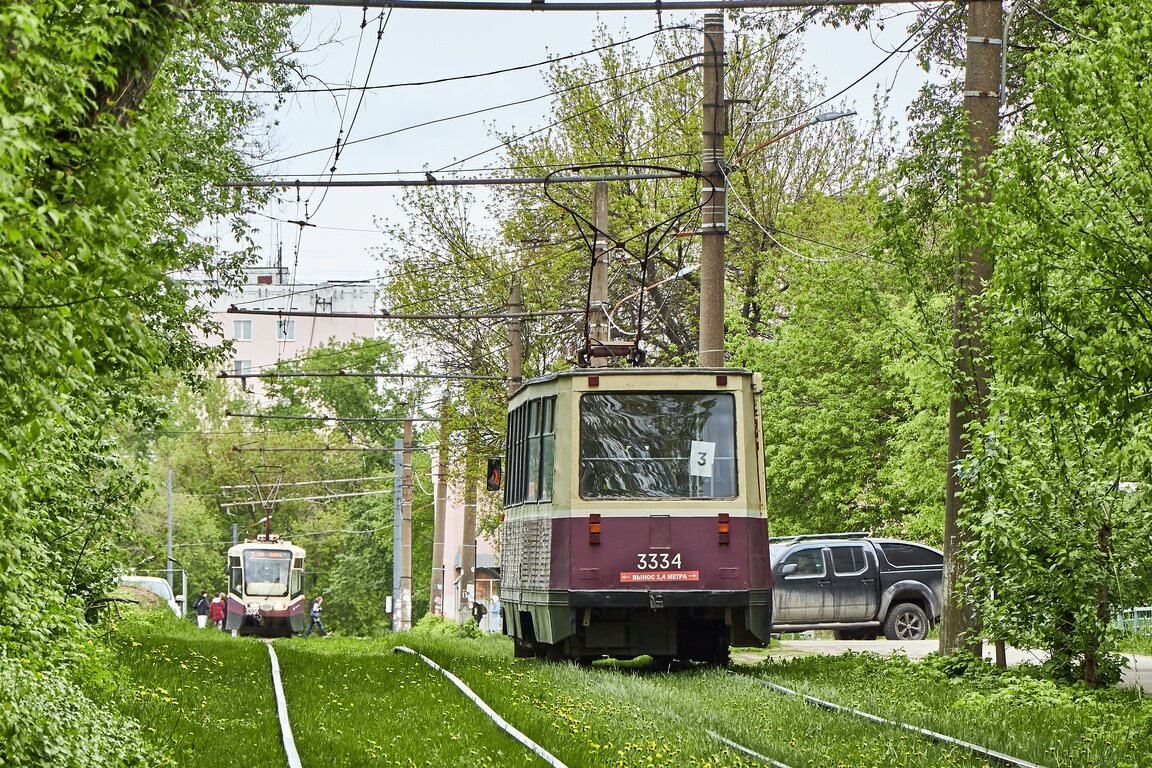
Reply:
x=45, y=719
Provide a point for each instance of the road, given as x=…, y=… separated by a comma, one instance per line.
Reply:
x=1137, y=674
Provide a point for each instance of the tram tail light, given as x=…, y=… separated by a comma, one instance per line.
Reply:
x=594, y=528
x=723, y=527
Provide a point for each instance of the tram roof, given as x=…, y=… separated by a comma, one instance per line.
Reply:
x=632, y=372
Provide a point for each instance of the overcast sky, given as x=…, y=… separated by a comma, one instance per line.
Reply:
x=424, y=45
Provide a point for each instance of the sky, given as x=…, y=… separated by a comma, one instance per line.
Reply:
x=420, y=45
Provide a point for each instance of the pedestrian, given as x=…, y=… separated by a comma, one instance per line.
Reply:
x=478, y=611
x=216, y=610
x=314, y=617
x=201, y=606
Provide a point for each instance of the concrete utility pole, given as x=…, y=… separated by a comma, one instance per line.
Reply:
x=515, y=339
x=598, y=332
x=436, y=589
x=397, y=527
x=406, y=531
x=713, y=197
x=968, y=406
x=468, y=541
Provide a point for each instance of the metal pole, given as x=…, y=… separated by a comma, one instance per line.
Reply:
x=168, y=570
x=713, y=197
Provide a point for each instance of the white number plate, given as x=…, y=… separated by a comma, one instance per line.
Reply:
x=657, y=561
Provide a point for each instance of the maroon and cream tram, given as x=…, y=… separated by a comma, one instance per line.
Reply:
x=634, y=515
x=266, y=588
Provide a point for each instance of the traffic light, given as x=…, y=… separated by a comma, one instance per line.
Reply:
x=494, y=473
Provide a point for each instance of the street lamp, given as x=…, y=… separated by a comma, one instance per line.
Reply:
x=823, y=117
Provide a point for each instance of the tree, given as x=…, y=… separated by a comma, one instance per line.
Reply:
x=93, y=228
x=1063, y=471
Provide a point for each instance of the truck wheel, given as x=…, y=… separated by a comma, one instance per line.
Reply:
x=906, y=621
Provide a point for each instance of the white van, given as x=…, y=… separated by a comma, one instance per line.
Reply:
x=157, y=586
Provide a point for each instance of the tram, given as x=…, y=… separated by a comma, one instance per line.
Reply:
x=266, y=588
x=634, y=515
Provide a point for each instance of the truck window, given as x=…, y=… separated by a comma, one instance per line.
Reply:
x=849, y=559
x=809, y=562
x=904, y=555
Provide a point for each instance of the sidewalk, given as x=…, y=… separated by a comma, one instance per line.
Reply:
x=1137, y=674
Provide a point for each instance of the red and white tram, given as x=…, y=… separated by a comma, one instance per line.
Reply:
x=634, y=515
x=266, y=588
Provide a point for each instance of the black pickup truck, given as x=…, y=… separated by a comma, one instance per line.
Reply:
x=857, y=586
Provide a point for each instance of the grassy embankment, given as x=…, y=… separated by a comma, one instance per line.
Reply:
x=207, y=699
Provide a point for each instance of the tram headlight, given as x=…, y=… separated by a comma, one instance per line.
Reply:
x=265, y=606
x=279, y=606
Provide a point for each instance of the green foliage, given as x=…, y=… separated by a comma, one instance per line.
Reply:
x=104, y=168
x=1062, y=469
x=432, y=624
x=49, y=720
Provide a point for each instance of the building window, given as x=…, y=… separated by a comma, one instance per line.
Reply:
x=242, y=367
x=242, y=330
x=285, y=330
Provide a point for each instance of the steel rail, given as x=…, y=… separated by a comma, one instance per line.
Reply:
x=745, y=750
x=507, y=727
x=935, y=736
x=282, y=711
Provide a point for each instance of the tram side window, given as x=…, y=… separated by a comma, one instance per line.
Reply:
x=235, y=575
x=531, y=442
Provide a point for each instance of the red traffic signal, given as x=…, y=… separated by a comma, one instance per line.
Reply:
x=495, y=474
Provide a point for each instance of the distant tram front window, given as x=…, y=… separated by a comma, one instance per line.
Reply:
x=657, y=445
x=266, y=572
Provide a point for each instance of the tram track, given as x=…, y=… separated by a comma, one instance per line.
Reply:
x=685, y=720
x=984, y=752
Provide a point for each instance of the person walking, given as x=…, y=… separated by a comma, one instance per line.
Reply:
x=201, y=606
x=216, y=611
x=314, y=617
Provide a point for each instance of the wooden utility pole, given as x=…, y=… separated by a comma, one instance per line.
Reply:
x=599, y=333
x=515, y=339
x=436, y=589
x=968, y=406
x=713, y=197
x=406, y=531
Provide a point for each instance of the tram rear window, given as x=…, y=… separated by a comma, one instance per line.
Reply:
x=657, y=445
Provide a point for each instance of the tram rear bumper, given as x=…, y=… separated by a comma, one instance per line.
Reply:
x=669, y=598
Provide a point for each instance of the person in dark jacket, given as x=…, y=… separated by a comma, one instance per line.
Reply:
x=314, y=617
x=201, y=606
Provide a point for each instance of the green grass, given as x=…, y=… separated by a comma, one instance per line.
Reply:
x=207, y=700
x=1138, y=644
x=1014, y=711
x=356, y=702
x=203, y=697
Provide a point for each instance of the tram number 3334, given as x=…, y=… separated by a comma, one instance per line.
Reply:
x=656, y=561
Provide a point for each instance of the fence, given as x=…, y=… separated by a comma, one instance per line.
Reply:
x=1138, y=621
